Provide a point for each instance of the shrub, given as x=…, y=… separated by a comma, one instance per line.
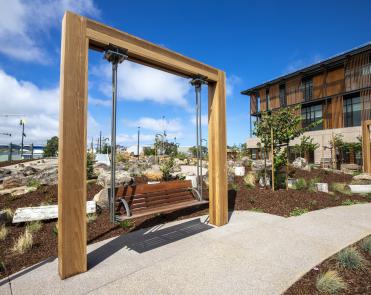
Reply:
x=300, y=184
x=249, y=180
x=153, y=175
x=33, y=183
x=23, y=243
x=349, y=202
x=298, y=211
x=55, y=230
x=34, y=226
x=313, y=203
x=330, y=282
x=366, y=245
x=234, y=186
x=350, y=258
x=3, y=232
x=340, y=187
x=167, y=168
x=90, y=166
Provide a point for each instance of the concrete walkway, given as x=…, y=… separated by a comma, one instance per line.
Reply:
x=255, y=253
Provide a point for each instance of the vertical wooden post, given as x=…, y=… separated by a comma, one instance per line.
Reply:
x=72, y=147
x=218, y=186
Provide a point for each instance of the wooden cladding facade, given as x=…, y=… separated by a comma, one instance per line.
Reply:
x=328, y=87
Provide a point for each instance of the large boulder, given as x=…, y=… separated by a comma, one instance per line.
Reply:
x=101, y=198
x=4, y=173
x=300, y=163
x=122, y=178
x=250, y=179
x=14, y=181
x=29, y=170
x=48, y=176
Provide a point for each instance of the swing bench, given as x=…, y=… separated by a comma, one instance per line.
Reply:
x=147, y=199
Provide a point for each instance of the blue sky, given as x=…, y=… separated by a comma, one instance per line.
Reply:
x=253, y=41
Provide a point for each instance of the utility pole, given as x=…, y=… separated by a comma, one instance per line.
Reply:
x=138, y=142
x=100, y=142
x=272, y=148
x=23, y=135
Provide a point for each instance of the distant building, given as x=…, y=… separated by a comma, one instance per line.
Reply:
x=337, y=90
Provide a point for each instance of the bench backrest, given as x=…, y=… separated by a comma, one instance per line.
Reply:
x=146, y=196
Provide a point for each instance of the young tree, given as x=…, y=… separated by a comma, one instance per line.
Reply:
x=51, y=148
x=306, y=145
x=286, y=126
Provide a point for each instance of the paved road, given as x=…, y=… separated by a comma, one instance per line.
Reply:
x=255, y=253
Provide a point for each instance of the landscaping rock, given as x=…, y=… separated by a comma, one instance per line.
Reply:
x=300, y=163
x=101, y=198
x=4, y=173
x=265, y=183
x=322, y=187
x=239, y=171
x=48, y=176
x=14, y=181
x=363, y=176
x=258, y=165
x=23, y=190
x=122, y=178
x=29, y=170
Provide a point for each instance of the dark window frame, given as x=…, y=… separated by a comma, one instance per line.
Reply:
x=282, y=95
x=307, y=87
x=309, y=114
x=352, y=117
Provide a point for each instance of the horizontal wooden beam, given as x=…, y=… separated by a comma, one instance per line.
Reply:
x=147, y=53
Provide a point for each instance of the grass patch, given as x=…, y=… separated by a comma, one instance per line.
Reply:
x=300, y=184
x=33, y=183
x=340, y=187
x=312, y=187
x=34, y=226
x=298, y=211
x=349, y=202
x=91, y=217
x=3, y=232
x=366, y=245
x=55, y=230
x=23, y=243
x=256, y=210
x=350, y=258
x=126, y=224
x=330, y=282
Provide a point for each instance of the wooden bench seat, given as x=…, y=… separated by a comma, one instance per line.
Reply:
x=147, y=199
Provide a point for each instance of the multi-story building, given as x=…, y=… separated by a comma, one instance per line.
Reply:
x=336, y=90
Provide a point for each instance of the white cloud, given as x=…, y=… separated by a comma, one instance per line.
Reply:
x=39, y=107
x=231, y=83
x=140, y=83
x=23, y=22
x=300, y=63
x=100, y=102
x=204, y=120
x=172, y=125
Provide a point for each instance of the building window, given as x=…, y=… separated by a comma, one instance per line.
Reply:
x=282, y=95
x=312, y=114
x=307, y=89
x=268, y=99
x=352, y=111
x=258, y=103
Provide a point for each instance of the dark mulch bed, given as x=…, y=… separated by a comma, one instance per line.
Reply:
x=280, y=202
x=358, y=281
x=324, y=175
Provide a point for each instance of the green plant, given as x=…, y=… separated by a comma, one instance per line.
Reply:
x=51, y=148
x=90, y=166
x=167, y=168
x=234, y=186
x=298, y=211
x=313, y=203
x=249, y=180
x=33, y=183
x=312, y=187
x=330, y=282
x=23, y=243
x=349, y=202
x=34, y=226
x=126, y=224
x=366, y=245
x=91, y=217
x=3, y=232
x=300, y=184
x=350, y=258
x=340, y=187
x=55, y=230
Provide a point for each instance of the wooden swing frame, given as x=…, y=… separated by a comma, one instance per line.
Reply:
x=79, y=34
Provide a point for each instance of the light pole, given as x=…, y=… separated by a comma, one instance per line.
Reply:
x=138, y=142
x=21, y=122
